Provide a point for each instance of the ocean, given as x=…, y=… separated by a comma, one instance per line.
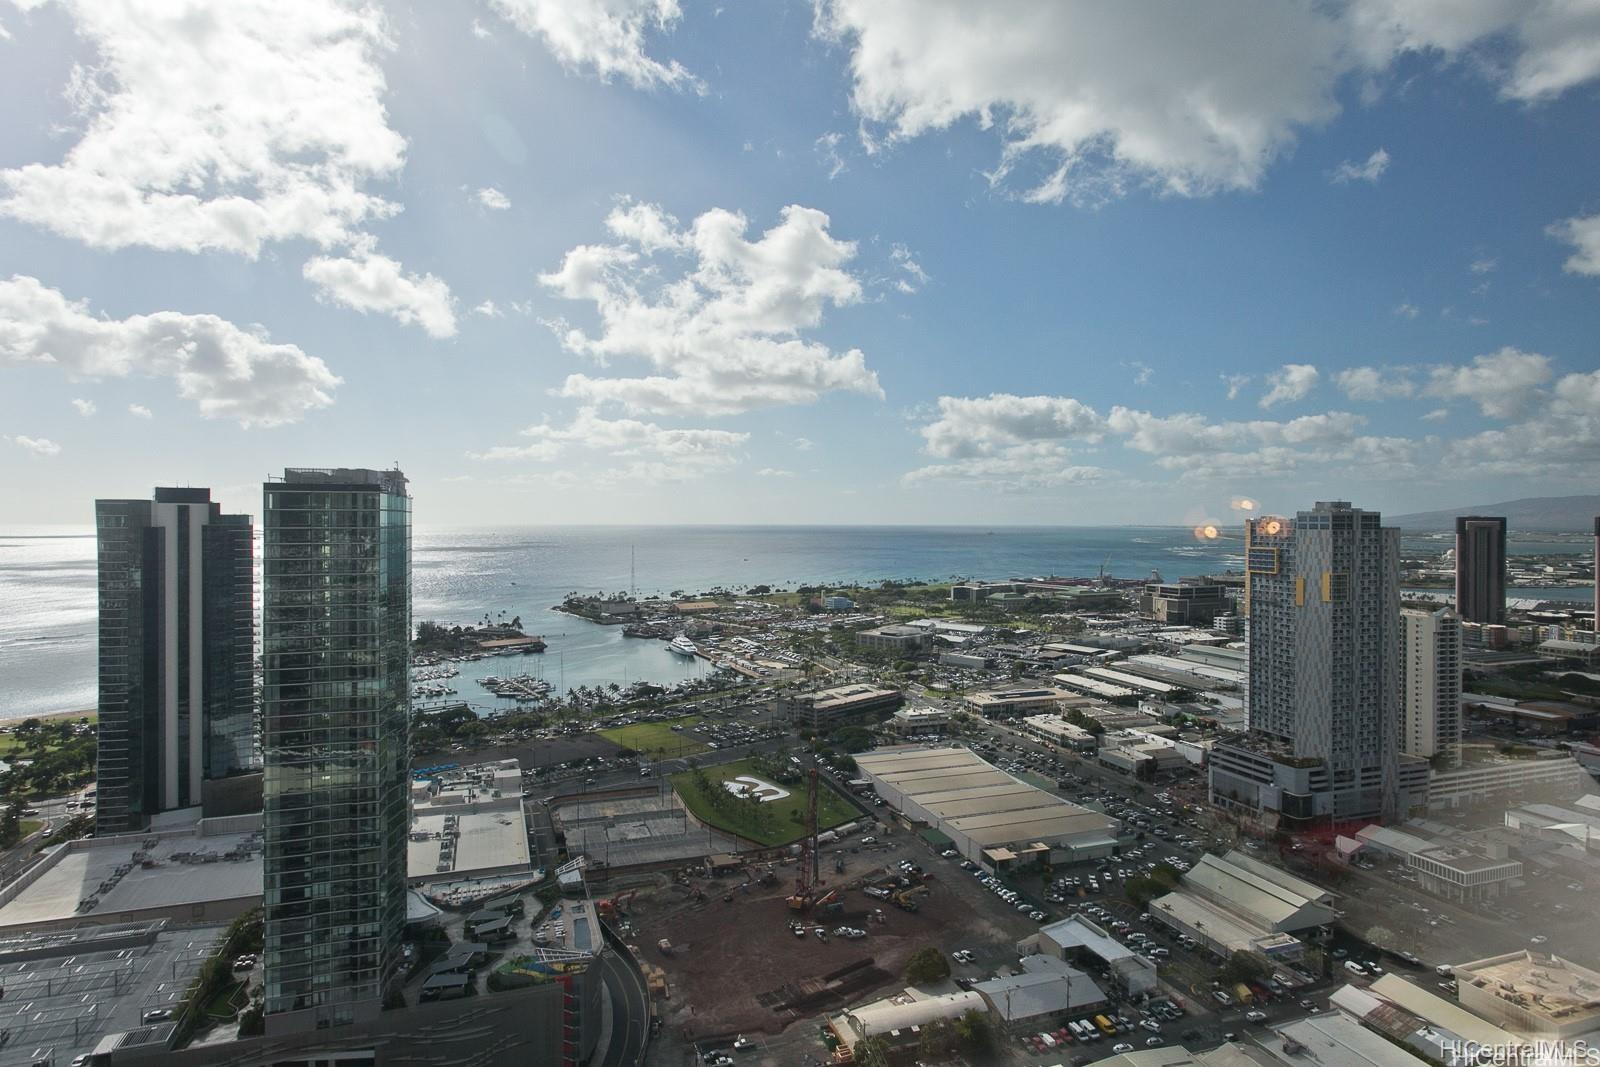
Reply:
x=47, y=585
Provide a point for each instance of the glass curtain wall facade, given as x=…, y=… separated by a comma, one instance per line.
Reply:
x=176, y=653
x=336, y=632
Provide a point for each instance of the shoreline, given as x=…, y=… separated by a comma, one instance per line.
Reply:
x=92, y=714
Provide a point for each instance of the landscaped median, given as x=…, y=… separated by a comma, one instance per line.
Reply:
x=776, y=821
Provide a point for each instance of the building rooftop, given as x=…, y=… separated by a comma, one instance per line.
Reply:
x=1443, y=1013
x=1267, y=897
x=1549, y=988
x=849, y=694
x=903, y=1011
x=1234, y=932
x=1078, y=932
x=962, y=791
x=1039, y=990
x=1018, y=695
x=1339, y=1041
x=480, y=838
x=91, y=878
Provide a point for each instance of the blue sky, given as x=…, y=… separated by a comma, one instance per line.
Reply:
x=643, y=261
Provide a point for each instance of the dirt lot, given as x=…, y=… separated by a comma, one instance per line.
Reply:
x=737, y=967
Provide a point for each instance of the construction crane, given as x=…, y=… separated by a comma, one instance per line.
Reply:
x=808, y=877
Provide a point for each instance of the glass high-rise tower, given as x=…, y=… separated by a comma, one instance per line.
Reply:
x=336, y=632
x=1481, y=568
x=176, y=653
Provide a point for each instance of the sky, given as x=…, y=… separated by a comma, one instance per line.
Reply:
x=851, y=261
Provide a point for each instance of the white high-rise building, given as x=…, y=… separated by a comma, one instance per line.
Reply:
x=1432, y=699
x=1323, y=597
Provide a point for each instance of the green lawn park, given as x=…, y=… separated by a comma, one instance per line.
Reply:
x=782, y=822
x=658, y=738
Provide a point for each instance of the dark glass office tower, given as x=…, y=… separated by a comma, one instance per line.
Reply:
x=176, y=636
x=336, y=631
x=1481, y=569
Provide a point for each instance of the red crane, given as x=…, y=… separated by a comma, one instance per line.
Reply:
x=808, y=879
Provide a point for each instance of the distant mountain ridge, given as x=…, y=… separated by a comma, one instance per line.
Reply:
x=1550, y=514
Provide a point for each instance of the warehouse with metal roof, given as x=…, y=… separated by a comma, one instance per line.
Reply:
x=989, y=816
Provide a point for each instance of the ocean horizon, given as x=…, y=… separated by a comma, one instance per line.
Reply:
x=48, y=599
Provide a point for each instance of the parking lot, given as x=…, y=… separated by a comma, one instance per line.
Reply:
x=65, y=1001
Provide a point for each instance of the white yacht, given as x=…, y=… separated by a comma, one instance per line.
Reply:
x=683, y=646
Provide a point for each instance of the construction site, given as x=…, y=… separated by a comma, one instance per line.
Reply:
x=753, y=943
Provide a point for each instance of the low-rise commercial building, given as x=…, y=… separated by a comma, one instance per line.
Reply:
x=898, y=1019
x=828, y=707
x=1235, y=903
x=1449, y=871
x=1046, y=990
x=1077, y=940
x=1262, y=777
x=1058, y=731
x=1028, y=700
x=1192, y=603
x=909, y=721
x=898, y=640
x=989, y=816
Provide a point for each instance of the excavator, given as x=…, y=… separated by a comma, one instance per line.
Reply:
x=610, y=909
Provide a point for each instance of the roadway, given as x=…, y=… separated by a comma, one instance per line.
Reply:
x=630, y=1009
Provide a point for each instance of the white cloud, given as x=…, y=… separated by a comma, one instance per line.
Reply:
x=1372, y=384
x=774, y=472
x=650, y=450
x=39, y=446
x=604, y=36
x=1091, y=99
x=827, y=149
x=968, y=427
x=1550, y=425
x=1483, y=265
x=1015, y=470
x=1235, y=384
x=1583, y=234
x=1505, y=385
x=480, y=31
x=1407, y=310
x=1143, y=373
x=1290, y=382
x=914, y=276
x=367, y=281
x=177, y=155
x=645, y=225
x=229, y=373
x=489, y=310
x=139, y=411
x=803, y=444
x=85, y=408
x=718, y=317
x=1369, y=172
x=493, y=199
